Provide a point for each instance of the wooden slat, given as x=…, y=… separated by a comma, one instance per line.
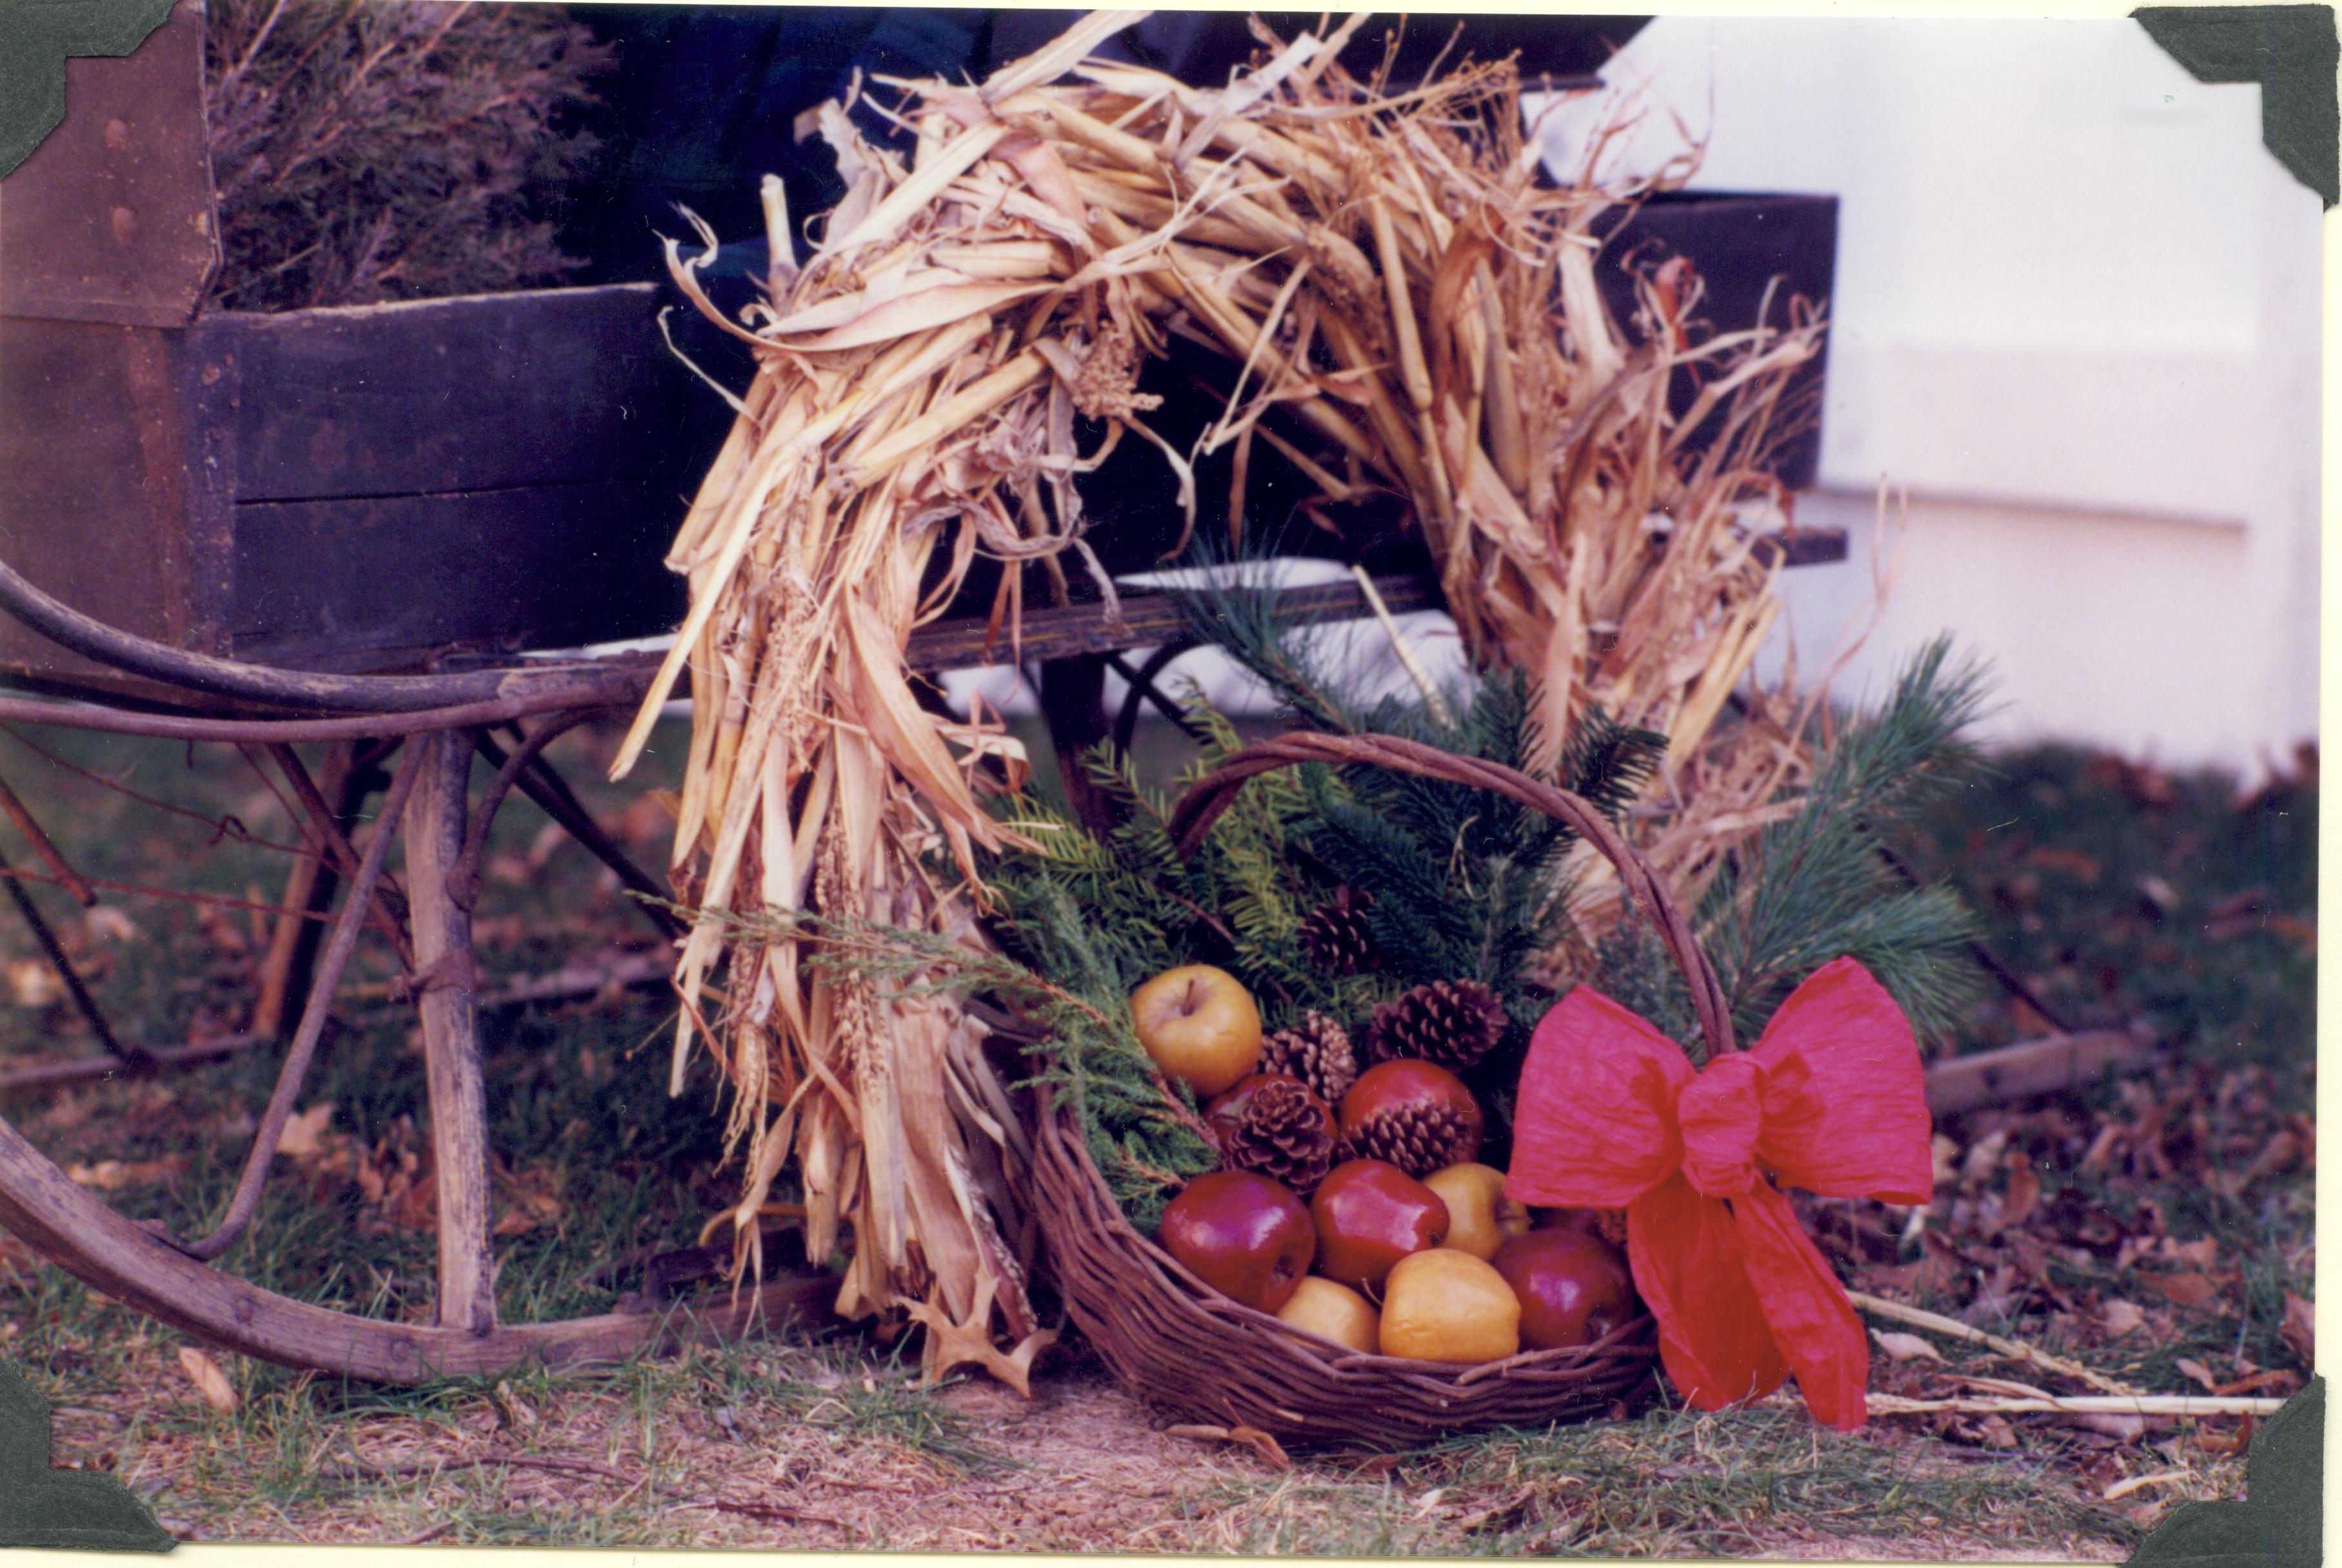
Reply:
x=1150, y=620
x=110, y=217
x=104, y=494
x=322, y=583
x=481, y=392
x=2036, y=1067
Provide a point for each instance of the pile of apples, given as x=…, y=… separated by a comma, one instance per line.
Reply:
x=1445, y=1269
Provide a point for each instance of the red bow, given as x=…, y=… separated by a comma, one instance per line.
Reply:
x=1832, y=1099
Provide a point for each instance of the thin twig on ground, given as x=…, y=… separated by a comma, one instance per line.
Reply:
x=773, y=1510
x=523, y=1461
x=1879, y=1306
x=2078, y=1404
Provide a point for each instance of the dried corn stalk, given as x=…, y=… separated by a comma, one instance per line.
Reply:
x=1403, y=306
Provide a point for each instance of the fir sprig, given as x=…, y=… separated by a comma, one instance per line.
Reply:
x=1816, y=885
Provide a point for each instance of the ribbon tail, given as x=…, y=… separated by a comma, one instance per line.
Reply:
x=1714, y=1340
x=1806, y=1307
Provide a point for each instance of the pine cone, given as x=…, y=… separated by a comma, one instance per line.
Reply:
x=1334, y=937
x=1452, y=1022
x=1317, y=1051
x=1417, y=1139
x=1284, y=1132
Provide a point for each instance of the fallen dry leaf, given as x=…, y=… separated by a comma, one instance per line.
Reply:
x=2200, y=1372
x=103, y=921
x=1998, y=1433
x=113, y=1176
x=415, y=1207
x=2024, y=1191
x=2121, y=1317
x=2277, y=1382
x=2299, y=1329
x=209, y=1380
x=32, y=982
x=1945, y=1152
x=2121, y=1428
x=1983, y=1158
x=304, y=1137
x=2125, y=1488
x=2238, y=1441
x=1905, y=1346
x=2188, y=1290
x=1252, y=1437
x=951, y=1345
x=533, y=1199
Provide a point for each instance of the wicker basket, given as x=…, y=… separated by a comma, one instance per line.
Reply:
x=1193, y=1351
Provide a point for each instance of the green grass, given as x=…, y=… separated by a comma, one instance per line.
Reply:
x=2054, y=850
x=2126, y=894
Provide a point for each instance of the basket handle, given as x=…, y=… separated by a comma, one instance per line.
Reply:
x=1213, y=794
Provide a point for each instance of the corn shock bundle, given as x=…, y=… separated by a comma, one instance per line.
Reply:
x=1403, y=307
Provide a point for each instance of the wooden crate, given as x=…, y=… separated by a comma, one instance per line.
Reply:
x=349, y=489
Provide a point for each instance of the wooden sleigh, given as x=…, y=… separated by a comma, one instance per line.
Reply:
x=354, y=524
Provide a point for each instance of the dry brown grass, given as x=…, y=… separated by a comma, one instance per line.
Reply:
x=777, y=1447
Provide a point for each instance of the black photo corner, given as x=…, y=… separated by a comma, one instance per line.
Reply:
x=706, y=93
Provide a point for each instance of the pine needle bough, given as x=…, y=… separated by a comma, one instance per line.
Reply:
x=1402, y=304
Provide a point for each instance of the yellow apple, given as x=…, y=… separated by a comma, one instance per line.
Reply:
x=1480, y=1218
x=1449, y=1306
x=1333, y=1312
x=1200, y=1026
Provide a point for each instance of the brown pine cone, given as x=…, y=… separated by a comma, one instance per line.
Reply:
x=1334, y=936
x=1273, y=1126
x=1317, y=1051
x=1414, y=1114
x=1452, y=1022
x=1417, y=1139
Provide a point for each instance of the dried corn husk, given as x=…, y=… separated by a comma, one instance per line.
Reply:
x=1403, y=306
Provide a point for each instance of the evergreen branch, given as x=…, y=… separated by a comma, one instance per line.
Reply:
x=1816, y=884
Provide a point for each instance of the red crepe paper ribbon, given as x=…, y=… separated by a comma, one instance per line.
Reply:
x=1832, y=1099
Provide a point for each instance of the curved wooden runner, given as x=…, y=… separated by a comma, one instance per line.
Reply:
x=89, y=1240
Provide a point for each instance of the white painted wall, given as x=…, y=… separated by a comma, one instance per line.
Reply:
x=2078, y=317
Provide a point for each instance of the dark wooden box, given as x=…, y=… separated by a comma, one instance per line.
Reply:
x=1755, y=251
x=337, y=489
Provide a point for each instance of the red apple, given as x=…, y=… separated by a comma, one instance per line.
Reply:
x=1244, y=1235
x=1574, y=1287
x=1369, y=1214
x=1586, y=1220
